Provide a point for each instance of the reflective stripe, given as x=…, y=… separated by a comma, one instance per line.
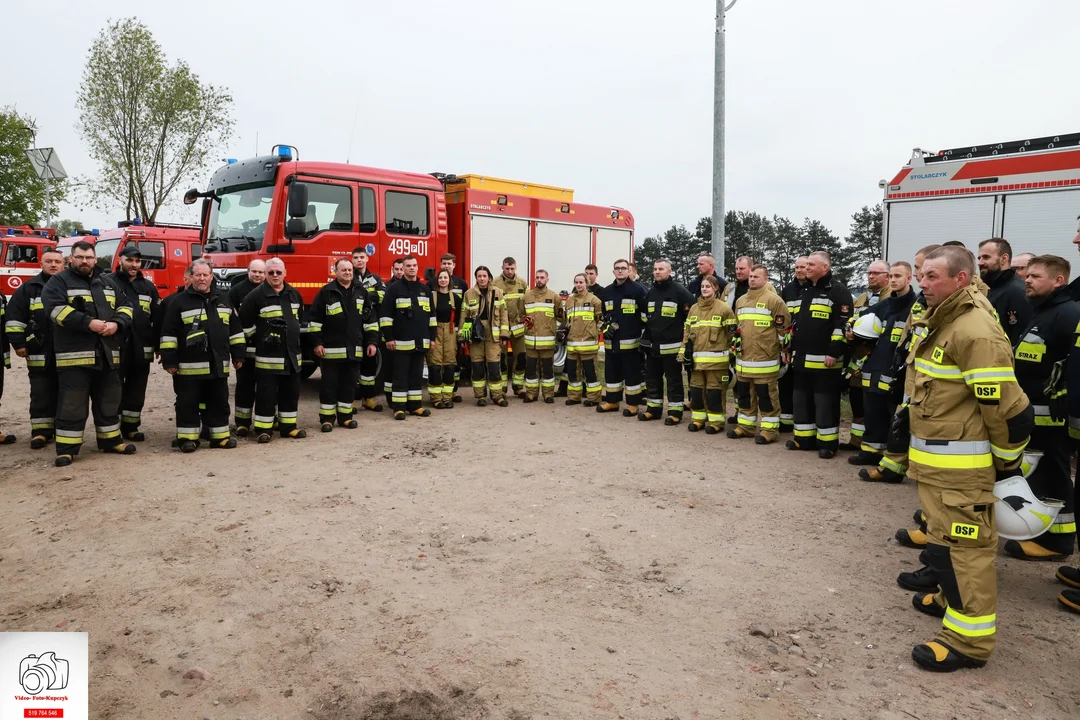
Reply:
x=969, y=625
x=993, y=374
x=1006, y=454
x=669, y=348
x=935, y=370
x=893, y=465
x=952, y=455
x=753, y=311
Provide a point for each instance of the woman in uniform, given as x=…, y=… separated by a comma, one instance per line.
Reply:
x=442, y=357
x=483, y=315
x=583, y=312
x=706, y=341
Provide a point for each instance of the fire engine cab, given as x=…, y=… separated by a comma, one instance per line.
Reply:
x=312, y=213
x=20, y=250
x=1027, y=192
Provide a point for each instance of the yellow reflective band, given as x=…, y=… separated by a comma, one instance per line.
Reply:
x=963, y=530
x=951, y=462
x=969, y=625
x=937, y=370
x=1062, y=528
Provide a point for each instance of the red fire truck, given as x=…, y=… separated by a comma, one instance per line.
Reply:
x=20, y=250
x=1027, y=192
x=312, y=213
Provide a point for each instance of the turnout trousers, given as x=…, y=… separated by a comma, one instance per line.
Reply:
x=539, y=373
x=786, y=387
x=513, y=363
x=856, y=397
x=878, y=410
x=337, y=389
x=442, y=363
x=758, y=397
x=43, y=383
x=659, y=368
x=245, y=393
x=1052, y=479
x=193, y=394
x=707, y=389
x=408, y=390
x=386, y=377
x=962, y=547
x=582, y=366
x=817, y=408
x=276, y=391
x=486, y=373
x=622, y=371
x=133, y=378
x=369, y=367
x=79, y=389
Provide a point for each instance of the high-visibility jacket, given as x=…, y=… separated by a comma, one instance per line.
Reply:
x=487, y=307
x=819, y=327
x=544, y=310
x=343, y=321
x=667, y=304
x=792, y=295
x=271, y=323
x=407, y=316
x=27, y=324
x=737, y=289
x=624, y=306
x=710, y=325
x=72, y=301
x=763, y=322
x=513, y=294
x=143, y=297
x=200, y=335
x=968, y=414
x=891, y=316
x=583, y=313
x=1046, y=340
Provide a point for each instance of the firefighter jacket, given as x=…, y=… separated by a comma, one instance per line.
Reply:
x=271, y=322
x=27, y=324
x=762, y=324
x=143, y=297
x=892, y=317
x=407, y=316
x=5, y=354
x=792, y=295
x=200, y=335
x=239, y=292
x=857, y=352
x=968, y=415
x=1072, y=371
x=513, y=293
x=583, y=313
x=868, y=299
x=458, y=287
x=342, y=320
x=1047, y=339
x=694, y=287
x=624, y=309
x=739, y=288
x=447, y=309
x=543, y=311
x=1006, y=293
x=710, y=325
x=667, y=304
x=72, y=301
x=488, y=307
x=818, y=330
x=372, y=283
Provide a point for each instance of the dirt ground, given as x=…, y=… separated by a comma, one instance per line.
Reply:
x=537, y=561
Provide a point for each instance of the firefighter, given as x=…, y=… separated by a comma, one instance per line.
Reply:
x=1020, y=263
x=485, y=326
x=442, y=357
x=30, y=334
x=877, y=281
x=591, y=275
x=1006, y=288
x=458, y=288
x=341, y=334
x=408, y=325
x=137, y=353
x=710, y=324
x=270, y=317
x=706, y=267
x=968, y=421
x=544, y=311
x=817, y=351
x=201, y=336
x=513, y=287
x=1044, y=342
x=397, y=272
x=886, y=319
x=5, y=360
x=1070, y=576
x=89, y=316
x=763, y=324
x=792, y=295
x=369, y=365
x=245, y=373
x=583, y=313
x=624, y=312
x=666, y=306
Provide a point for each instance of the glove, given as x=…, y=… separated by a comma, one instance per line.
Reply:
x=682, y=355
x=1057, y=398
x=900, y=431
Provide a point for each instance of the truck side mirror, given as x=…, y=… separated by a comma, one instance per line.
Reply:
x=191, y=196
x=298, y=199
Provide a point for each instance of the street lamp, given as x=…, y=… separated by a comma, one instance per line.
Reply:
x=718, y=137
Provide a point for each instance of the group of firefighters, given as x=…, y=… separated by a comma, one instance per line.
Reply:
x=962, y=386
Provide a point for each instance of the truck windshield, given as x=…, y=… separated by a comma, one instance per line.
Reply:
x=238, y=218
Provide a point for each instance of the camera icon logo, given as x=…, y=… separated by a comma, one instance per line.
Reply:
x=38, y=673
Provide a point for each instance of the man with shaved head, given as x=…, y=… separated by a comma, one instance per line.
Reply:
x=877, y=289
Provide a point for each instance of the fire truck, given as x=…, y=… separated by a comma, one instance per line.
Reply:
x=20, y=249
x=312, y=213
x=1026, y=191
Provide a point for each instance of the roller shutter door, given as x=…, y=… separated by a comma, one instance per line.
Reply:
x=611, y=245
x=494, y=238
x=1042, y=223
x=564, y=251
x=916, y=224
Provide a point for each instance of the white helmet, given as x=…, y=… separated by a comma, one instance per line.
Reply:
x=1019, y=514
x=867, y=327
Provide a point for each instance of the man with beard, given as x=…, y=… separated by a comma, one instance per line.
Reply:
x=138, y=350
x=1007, y=293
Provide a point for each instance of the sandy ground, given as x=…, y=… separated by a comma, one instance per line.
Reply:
x=536, y=561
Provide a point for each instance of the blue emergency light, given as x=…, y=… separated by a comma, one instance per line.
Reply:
x=230, y=161
x=11, y=231
x=95, y=232
x=74, y=233
x=284, y=152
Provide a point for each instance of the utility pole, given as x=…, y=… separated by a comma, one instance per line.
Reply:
x=718, y=139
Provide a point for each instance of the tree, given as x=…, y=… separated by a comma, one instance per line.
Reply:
x=22, y=194
x=678, y=245
x=863, y=242
x=150, y=126
x=64, y=228
x=815, y=236
x=789, y=244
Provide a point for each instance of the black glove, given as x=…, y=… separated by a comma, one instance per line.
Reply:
x=899, y=431
x=1057, y=397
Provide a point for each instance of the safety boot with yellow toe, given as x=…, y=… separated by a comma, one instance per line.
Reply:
x=880, y=474
x=1069, y=575
x=650, y=414
x=924, y=602
x=630, y=411
x=738, y=432
x=1031, y=550
x=1070, y=599
x=370, y=404
x=714, y=428
x=695, y=425
x=913, y=538
x=606, y=407
x=939, y=657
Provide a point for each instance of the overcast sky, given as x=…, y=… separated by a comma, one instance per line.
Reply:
x=613, y=98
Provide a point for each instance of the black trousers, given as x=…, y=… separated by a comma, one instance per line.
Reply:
x=280, y=392
x=879, y=409
x=337, y=389
x=79, y=389
x=786, y=385
x=817, y=408
x=201, y=400
x=245, y=392
x=858, y=414
x=1051, y=479
x=133, y=377
x=408, y=391
x=539, y=375
x=386, y=377
x=659, y=368
x=368, y=375
x=622, y=371
x=42, y=401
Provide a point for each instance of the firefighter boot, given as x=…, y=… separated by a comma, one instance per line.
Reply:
x=62, y=460
x=370, y=404
x=924, y=602
x=134, y=436
x=865, y=458
x=7, y=439
x=38, y=441
x=1031, y=550
x=189, y=446
x=630, y=411
x=1070, y=599
x=224, y=443
x=652, y=412
x=878, y=474
x=424, y=412
x=939, y=657
x=293, y=433
x=400, y=414
x=913, y=538
x=605, y=407
x=922, y=580
x=119, y=449
x=739, y=432
x=802, y=444
x=1069, y=575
